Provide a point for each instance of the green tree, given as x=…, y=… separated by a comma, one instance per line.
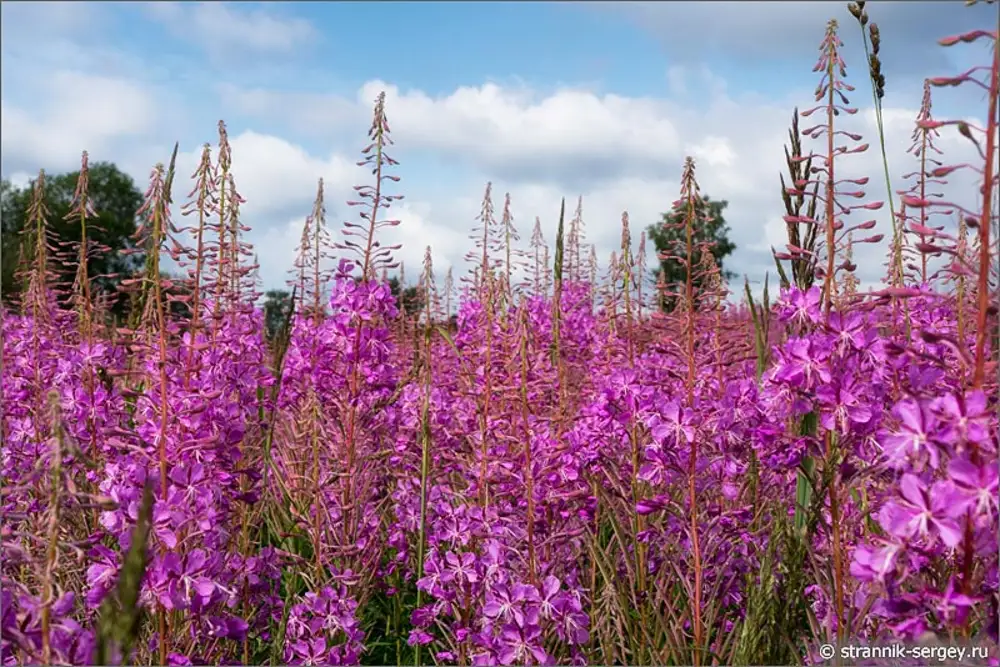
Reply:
x=668, y=237
x=276, y=304
x=10, y=240
x=408, y=298
x=115, y=198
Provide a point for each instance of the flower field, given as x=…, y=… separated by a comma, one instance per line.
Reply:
x=540, y=464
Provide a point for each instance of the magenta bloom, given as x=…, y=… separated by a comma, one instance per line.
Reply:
x=873, y=563
x=924, y=512
x=843, y=408
x=801, y=307
x=911, y=439
x=966, y=418
x=519, y=646
x=804, y=363
x=673, y=423
x=462, y=567
x=977, y=483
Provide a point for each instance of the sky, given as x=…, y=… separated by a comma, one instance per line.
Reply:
x=602, y=100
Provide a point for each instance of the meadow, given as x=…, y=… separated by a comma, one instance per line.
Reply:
x=549, y=461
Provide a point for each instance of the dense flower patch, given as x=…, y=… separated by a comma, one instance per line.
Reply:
x=555, y=472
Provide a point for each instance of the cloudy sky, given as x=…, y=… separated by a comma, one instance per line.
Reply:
x=596, y=99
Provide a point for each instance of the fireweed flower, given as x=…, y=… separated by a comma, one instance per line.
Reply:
x=102, y=574
x=435, y=577
x=978, y=484
x=419, y=637
x=874, y=563
x=673, y=424
x=965, y=418
x=806, y=363
x=500, y=605
x=572, y=622
x=462, y=567
x=924, y=512
x=798, y=307
x=519, y=646
x=910, y=443
x=953, y=605
x=548, y=596
x=841, y=405
x=848, y=331
x=184, y=583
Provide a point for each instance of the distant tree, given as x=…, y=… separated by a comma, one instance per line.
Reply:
x=116, y=200
x=276, y=304
x=180, y=286
x=10, y=239
x=409, y=298
x=669, y=235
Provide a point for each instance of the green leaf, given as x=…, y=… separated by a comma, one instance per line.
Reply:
x=120, y=616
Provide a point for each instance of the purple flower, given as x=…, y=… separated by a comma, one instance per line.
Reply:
x=953, y=604
x=912, y=437
x=419, y=637
x=874, y=563
x=548, y=597
x=848, y=329
x=573, y=622
x=422, y=617
x=462, y=567
x=803, y=362
x=101, y=575
x=499, y=603
x=922, y=512
x=228, y=627
x=966, y=418
x=187, y=584
x=800, y=307
x=434, y=576
x=978, y=482
x=672, y=423
x=309, y=651
x=842, y=407
x=520, y=645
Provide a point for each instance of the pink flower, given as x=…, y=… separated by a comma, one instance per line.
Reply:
x=922, y=512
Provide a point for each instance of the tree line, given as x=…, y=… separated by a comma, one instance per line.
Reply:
x=117, y=201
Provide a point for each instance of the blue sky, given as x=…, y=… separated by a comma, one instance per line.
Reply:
x=544, y=99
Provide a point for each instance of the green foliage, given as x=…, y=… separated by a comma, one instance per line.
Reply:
x=120, y=617
x=276, y=303
x=776, y=618
x=116, y=200
x=408, y=298
x=669, y=235
x=760, y=314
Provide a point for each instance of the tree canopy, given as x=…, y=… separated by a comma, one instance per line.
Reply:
x=116, y=200
x=668, y=235
x=276, y=303
x=408, y=298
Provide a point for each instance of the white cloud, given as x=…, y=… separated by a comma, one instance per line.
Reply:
x=223, y=29
x=620, y=153
x=92, y=112
x=517, y=134
x=764, y=32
